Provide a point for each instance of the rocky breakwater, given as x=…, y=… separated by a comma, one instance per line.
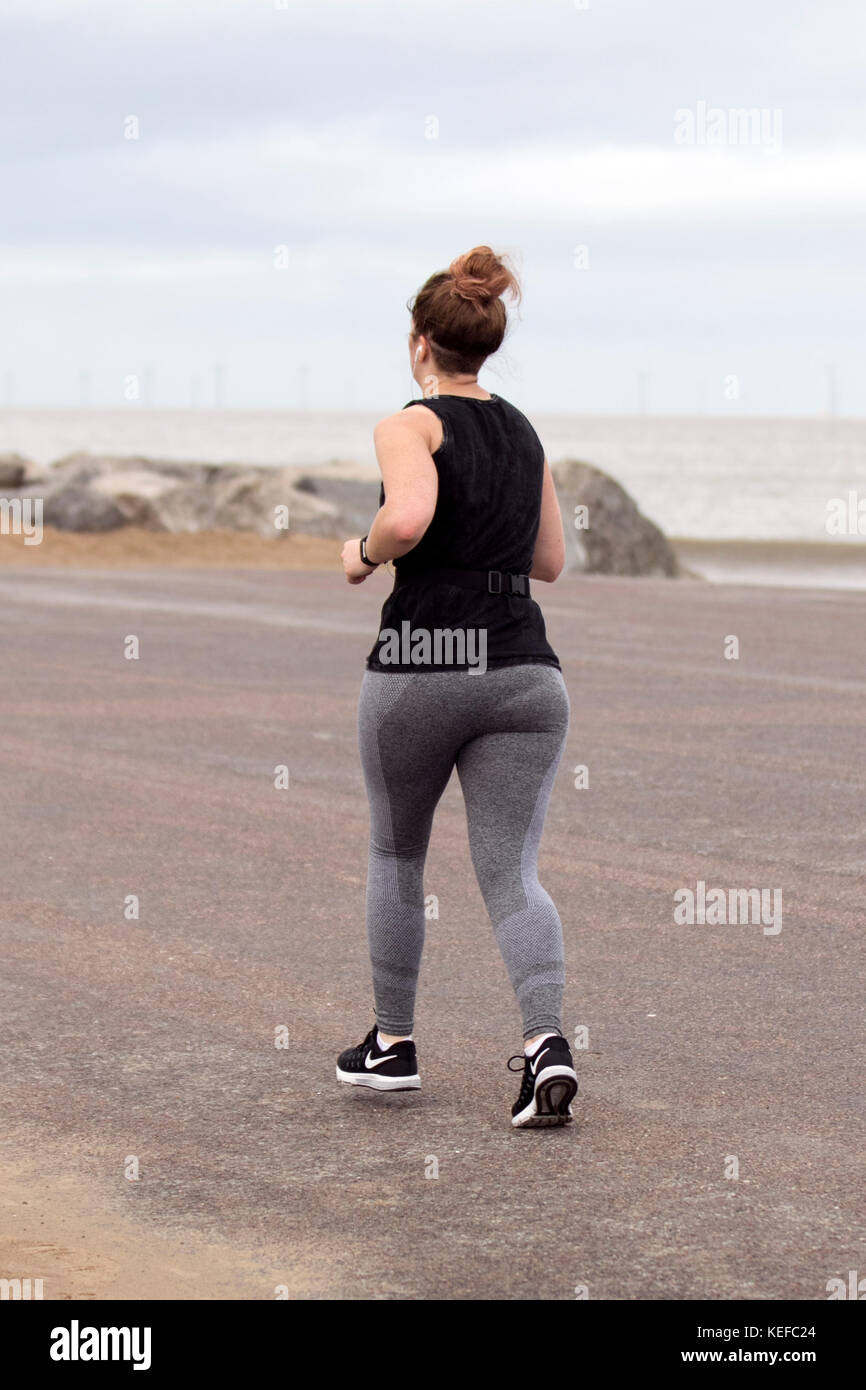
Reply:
x=93, y=493
x=88, y=492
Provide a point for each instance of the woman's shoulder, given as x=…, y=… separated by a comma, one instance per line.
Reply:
x=419, y=421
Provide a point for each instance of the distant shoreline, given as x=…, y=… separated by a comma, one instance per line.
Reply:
x=791, y=563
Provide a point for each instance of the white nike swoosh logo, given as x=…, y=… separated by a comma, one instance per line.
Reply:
x=534, y=1069
x=369, y=1063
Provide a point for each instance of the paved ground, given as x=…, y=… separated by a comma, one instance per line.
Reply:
x=155, y=1038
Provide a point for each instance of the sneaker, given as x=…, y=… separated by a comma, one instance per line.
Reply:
x=549, y=1086
x=367, y=1065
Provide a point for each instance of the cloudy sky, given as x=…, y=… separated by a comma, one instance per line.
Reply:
x=300, y=168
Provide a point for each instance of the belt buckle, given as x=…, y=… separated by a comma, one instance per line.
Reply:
x=518, y=584
x=490, y=577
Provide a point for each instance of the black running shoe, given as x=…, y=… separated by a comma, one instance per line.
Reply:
x=396, y=1069
x=549, y=1086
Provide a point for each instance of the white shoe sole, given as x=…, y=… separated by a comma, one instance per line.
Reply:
x=376, y=1082
x=555, y=1089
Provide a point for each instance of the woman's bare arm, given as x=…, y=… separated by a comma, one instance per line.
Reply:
x=405, y=444
x=549, y=556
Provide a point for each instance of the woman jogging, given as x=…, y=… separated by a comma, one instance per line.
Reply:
x=462, y=676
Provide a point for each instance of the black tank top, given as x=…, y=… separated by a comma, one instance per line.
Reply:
x=491, y=470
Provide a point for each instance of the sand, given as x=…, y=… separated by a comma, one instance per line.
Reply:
x=133, y=547
x=80, y=1237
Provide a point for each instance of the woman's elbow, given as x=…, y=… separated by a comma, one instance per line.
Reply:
x=547, y=570
x=408, y=530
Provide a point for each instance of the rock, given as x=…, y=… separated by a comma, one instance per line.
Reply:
x=619, y=539
x=346, y=469
x=84, y=467
x=355, y=499
x=13, y=470
x=198, y=497
x=315, y=516
x=78, y=507
x=156, y=501
x=247, y=500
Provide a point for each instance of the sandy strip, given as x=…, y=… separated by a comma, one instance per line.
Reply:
x=75, y=1236
x=821, y=564
x=133, y=547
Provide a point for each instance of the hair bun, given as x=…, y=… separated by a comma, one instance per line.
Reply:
x=480, y=276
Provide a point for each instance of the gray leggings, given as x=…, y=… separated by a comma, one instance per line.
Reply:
x=504, y=730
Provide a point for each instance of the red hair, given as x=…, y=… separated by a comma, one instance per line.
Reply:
x=461, y=312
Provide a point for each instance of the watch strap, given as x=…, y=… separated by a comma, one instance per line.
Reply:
x=365, y=559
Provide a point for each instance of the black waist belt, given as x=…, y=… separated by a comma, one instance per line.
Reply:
x=493, y=581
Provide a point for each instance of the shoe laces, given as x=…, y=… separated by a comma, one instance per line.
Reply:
x=366, y=1046
x=528, y=1084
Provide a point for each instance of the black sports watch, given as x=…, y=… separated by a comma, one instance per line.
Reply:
x=365, y=559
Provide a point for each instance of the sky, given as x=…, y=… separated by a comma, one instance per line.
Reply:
x=230, y=201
